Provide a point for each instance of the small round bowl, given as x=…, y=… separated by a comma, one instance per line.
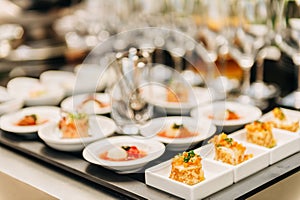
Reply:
x=75, y=103
x=7, y=103
x=203, y=127
x=153, y=149
x=99, y=127
x=63, y=79
x=247, y=114
x=157, y=96
x=45, y=113
x=35, y=93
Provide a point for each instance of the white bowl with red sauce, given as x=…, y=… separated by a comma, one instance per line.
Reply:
x=179, y=132
x=218, y=113
x=96, y=153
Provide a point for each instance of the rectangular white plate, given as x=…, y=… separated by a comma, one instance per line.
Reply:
x=217, y=177
x=288, y=143
x=292, y=115
x=259, y=160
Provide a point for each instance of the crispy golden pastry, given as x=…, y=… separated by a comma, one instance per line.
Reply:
x=229, y=151
x=74, y=125
x=282, y=122
x=187, y=168
x=260, y=133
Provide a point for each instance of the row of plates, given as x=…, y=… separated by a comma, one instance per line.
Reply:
x=199, y=122
x=54, y=85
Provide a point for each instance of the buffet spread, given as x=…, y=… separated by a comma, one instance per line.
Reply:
x=193, y=156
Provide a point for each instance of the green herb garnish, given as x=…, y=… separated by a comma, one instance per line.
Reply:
x=190, y=155
x=177, y=126
x=77, y=115
x=34, y=116
x=126, y=148
x=228, y=140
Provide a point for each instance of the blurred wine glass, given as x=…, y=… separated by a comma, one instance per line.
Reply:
x=129, y=108
x=288, y=39
x=248, y=38
x=260, y=90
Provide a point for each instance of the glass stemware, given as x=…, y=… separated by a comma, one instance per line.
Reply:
x=259, y=90
x=288, y=39
x=250, y=36
x=129, y=108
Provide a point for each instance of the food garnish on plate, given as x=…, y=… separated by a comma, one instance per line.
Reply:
x=30, y=120
x=229, y=151
x=74, y=125
x=177, y=92
x=176, y=131
x=187, y=168
x=90, y=102
x=226, y=115
x=260, y=133
x=37, y=93
x=281, y=121
x=123, y=153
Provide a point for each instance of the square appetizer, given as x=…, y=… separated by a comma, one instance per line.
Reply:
x=245, y=159
x=279, y=143
x=189, y=176
x=284, y=119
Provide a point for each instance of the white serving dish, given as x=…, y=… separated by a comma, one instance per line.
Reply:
x=204, y=127
x=197, y=96
x=247, y=113
x=153, y=148
x=292, y=115
x=287, y=144
x=91, y=78
x=8, y=103
x=73, y=103
x=259, y=160
x=99, y=127
x=26, y=88
x=217, y=177
x=48, y=113
x=63, y=79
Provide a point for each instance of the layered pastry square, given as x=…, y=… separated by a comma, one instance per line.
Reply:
x=187, y=168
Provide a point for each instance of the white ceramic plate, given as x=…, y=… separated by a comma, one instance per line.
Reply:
x=74, y=103
x=247, y=113
x=259, y=160
x=156, y=95
x=153, y=149
x=216, y=176
x=99, y=127
x=292, y=116
x=287, y=144
x=91, y=78
x=34, y=93
x=204, y=127
x=7, y=103
x=47, y=113
x=63, y=79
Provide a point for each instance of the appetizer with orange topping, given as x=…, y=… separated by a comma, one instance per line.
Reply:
x=123, y=153
x=177, y=92
x=229, y=151
x=281, y=121
x=225, y=115
x=91, y=102
x=74, y=125
x=30, y=120
x=187, y=168
x=176, y=131
x=260, y=133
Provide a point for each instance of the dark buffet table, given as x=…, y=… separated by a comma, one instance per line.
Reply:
x=133, y=185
